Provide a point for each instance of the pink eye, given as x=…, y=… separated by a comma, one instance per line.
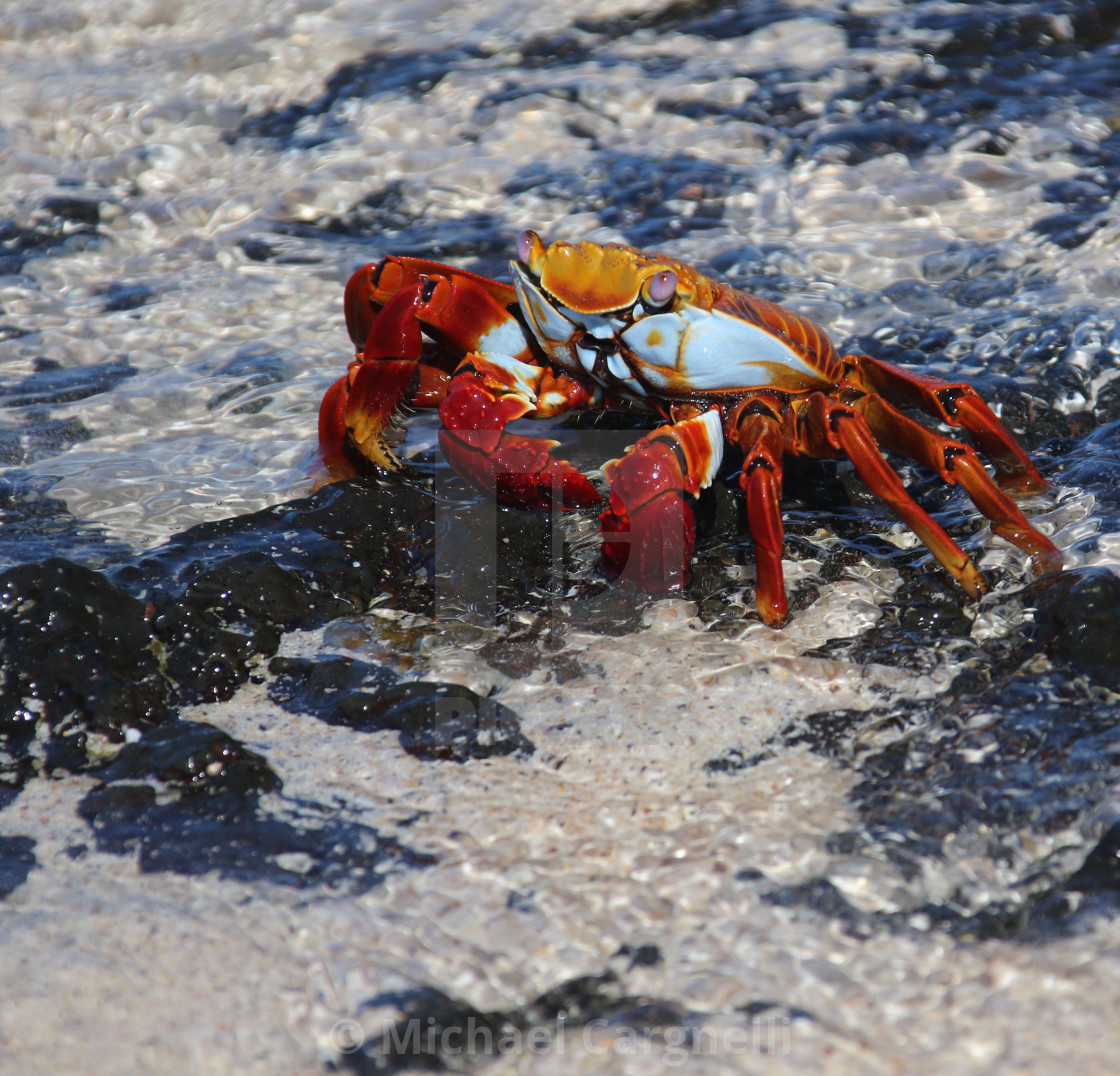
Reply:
x=662, y=286
x=524, y=246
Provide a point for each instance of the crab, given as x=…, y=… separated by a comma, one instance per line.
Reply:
x=604, y=326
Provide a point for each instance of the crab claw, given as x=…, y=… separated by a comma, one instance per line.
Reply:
x=332, y=419
x=521, y=470
x=358, y=408
x=648, y=529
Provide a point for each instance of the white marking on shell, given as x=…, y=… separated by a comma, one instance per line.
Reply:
x=586, y=358
x=715, y=351
x=526, y=375
x=552, y=403
x=713, y=430
x=505, y=339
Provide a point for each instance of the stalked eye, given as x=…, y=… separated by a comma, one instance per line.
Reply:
x=662, y=287
x=659, y=290
x=531, y=250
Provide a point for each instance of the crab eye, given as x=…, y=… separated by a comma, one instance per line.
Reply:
x=659, y=290
x=531, y=251
x=662, y=286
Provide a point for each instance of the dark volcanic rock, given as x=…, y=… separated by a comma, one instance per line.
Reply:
x=17, y=860
x=187, y=798
x=435, y=721
x=1079, y=622
x=77, y=655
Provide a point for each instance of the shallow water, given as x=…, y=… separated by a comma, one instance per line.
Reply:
x=880, y=839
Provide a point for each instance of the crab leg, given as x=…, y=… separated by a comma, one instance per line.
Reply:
x=824, y=424
x=648, y=528
x=487, y=394
x=460, y=310
x=957, y=462
x=760, y=436
x=955, y=403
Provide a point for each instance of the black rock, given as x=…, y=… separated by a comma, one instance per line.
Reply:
x=1079, y=622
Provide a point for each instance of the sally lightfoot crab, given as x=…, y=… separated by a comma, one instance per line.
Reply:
x=590, y=325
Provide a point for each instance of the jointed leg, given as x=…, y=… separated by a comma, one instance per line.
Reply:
x=760, y=436
x=955, y=403
x=957, y=462
x=360, y=406
x=825, y=423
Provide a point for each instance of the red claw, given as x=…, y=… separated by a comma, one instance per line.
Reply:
x=649, y=531
x=332, y=425
x=522, y=470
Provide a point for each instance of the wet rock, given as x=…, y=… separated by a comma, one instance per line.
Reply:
x=206, y=661
x=446, y=721
x=60, y=224
x=85, y=659
x=817, y=895
x=1028, y=754
x=303, y=685
x=35, y=527
x=346, y=544
x=187, y=798
x=855, y=143
x=193, y=757
x=40, y=438
x=120, y=297
x=929, y=605
x=232, y=835
x=375, y=74
x=566, y=667
x=51, y=383
x=251, y=591
x=17, y=860
x=1079, y=622
x=435, y=721
x=226, y=592
x=513, y=657
x=76, y=654
x=642, y=956
x=827, y=733
x=734, y=761
x=1076, y=902
x=436, y=1032
x=1101, y=869
x=76, y=209
x=1092, y=890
